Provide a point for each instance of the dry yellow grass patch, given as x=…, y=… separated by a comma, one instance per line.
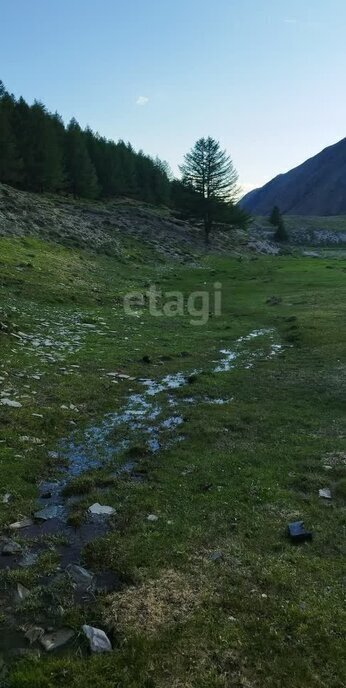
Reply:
x=157, y=603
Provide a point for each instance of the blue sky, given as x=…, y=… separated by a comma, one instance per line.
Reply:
x=265, y=77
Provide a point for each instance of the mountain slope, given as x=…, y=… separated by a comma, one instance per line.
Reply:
x=317, y=187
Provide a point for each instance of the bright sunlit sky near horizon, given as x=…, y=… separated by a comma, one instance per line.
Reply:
x=265, y=77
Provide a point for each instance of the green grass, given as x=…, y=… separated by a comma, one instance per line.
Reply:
x=267, y=614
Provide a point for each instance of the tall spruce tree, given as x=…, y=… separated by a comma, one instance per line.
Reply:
x=209, y=175
x=81, y=174
x=277, y=221
x=10, y=163
x=275, y=216
x=46, y=162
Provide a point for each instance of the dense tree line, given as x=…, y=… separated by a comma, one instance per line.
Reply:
x=38, y=153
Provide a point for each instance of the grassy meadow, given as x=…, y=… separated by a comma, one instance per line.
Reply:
x=213, y=593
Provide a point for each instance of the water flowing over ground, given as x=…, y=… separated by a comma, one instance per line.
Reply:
x=151, y=418
x=142, y=416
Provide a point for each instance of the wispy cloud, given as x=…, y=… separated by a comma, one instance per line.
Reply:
x=142, y=100
x=307, y=23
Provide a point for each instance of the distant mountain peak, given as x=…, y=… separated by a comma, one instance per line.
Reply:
x=316, y=187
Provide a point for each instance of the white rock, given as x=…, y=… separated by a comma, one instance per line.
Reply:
x=11, y=403
x=53, y=455
x=24, y=523
x=98, y=640
x=325, y=493
x=49, y=512
x=22, y=592
x=83, y=579
x=6, y=498
x=152, y=518
x=10, y=547
x=100, y=510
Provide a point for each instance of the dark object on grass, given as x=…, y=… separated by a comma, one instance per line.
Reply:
x=298, y=533
x=274, y=300
x=206, y=487
x=146, y=359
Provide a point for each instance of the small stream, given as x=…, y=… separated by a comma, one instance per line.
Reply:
x=141, y=415
x=150, y=417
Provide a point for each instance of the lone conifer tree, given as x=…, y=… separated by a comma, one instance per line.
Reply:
x=277, y=221
x=209, y=173
x=281, y=234
x=275, y=216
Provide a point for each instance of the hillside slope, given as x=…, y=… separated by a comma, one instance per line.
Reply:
x=107, y=227
x=317, y=187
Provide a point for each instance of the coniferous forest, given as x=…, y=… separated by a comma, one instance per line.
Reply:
x=39, y=153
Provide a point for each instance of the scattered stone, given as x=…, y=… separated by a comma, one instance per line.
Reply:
x=98, y=640
x=100, y=510
x=298, y=533
x=216, y=556
x=83, y=579
x=325, y=493
x=152, y=518
x=6, y=498
x=53, y=455
x=274, y=300
x=51, y=641
x=121, y=376
x=47, y=489
x=10, y=402
x=24, y=523
x=10, y=547
x=21, y=593
x=34, y=633
x=49, y=512
x=28, y=559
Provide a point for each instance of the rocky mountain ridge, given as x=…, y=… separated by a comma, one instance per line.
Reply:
x=316, y=187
